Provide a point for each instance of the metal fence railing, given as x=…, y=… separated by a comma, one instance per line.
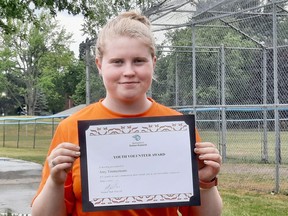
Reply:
x=28, y=132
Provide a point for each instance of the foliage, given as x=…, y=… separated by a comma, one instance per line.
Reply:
x=95, y=12
x=242, y=71
x=25, y=11
x=41, y=107
x=34, y=59
x=102, y=11
x=163, y=83
x=75, y=81
x=96, y=87
x=60, y=72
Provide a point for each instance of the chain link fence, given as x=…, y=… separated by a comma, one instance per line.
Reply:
x=234, y=108
x=226, y=62
x=28, y=132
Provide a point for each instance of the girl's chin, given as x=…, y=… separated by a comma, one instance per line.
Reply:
x=131, y=98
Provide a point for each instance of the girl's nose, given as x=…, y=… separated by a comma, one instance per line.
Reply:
x=129, y=70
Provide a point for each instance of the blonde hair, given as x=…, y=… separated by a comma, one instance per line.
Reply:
x=131, y=24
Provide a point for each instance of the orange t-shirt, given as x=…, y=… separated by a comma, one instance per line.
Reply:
x=67, y=131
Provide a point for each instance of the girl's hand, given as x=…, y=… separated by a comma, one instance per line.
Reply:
x=209, y=162
x=61, y=160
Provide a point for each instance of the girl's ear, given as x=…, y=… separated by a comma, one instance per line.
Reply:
x=154, y=61
x=99, y=65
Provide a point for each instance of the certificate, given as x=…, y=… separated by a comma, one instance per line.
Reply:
x=137, y=163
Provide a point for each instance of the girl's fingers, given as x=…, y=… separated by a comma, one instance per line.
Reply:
x=211, y=156
x=204, y=144
x=62, y=159
x=65, y=149
x=70, y=146
x=213, y=164
x=206, y=150
x=64, y=153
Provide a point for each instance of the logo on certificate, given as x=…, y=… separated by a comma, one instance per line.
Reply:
x=137, y=137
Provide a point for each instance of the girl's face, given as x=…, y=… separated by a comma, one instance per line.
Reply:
x=126, y=68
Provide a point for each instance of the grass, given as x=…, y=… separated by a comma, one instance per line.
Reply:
x=247, y=190
x=246, y=145
x=249, y=203
x=245, y=183
x=37, y=155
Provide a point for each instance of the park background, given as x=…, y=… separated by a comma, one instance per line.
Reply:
x=224, y=61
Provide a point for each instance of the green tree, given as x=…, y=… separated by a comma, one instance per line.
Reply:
x=25, y=10
x=207, y=66
x=95, y=12
x=163, y=87
x=41, y=107
x=58, y=76
x=34, y=56
x=96, y=87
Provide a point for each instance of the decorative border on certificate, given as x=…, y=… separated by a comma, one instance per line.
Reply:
x=160, y=198
x=138, y=163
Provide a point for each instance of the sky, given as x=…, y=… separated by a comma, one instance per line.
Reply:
x=73, y=25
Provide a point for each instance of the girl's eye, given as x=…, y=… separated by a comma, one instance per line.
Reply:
x=139, y=61
x=117, y=62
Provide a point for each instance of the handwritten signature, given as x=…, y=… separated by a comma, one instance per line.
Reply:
x=112, y=187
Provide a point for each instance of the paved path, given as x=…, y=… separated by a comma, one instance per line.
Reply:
x=19, y=181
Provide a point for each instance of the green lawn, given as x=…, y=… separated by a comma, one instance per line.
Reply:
x=36, y=155
x=249, y=203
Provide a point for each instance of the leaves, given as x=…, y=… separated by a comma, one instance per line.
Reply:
x=34, y=65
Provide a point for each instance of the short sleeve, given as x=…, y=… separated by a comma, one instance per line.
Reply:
x=69, y=195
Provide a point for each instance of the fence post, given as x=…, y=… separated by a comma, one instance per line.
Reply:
x=193, y=28
x=87, y=71
x=223, y=103
x=176, y=81
x=52, y=127
x=265, y=141
x=34, y=140
x=18, y=134
x=4, y=133
x=219, y=99
x=276, y=99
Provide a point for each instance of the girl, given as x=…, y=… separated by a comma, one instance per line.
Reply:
x=125, y=57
